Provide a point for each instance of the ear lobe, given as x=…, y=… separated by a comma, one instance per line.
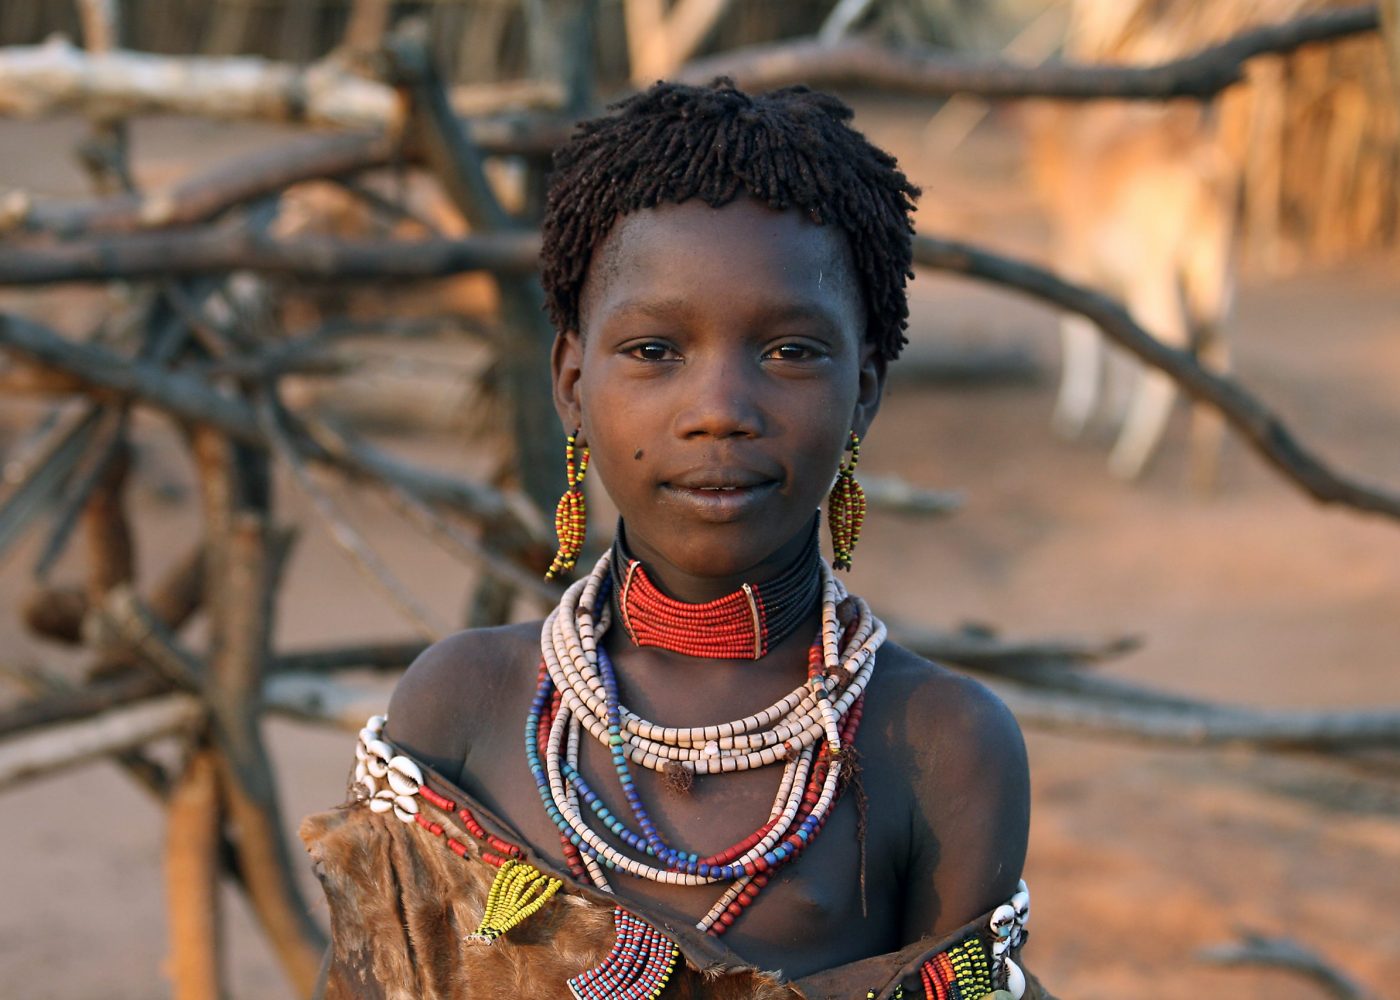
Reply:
x=566, y=367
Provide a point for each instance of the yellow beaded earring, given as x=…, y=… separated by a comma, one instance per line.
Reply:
x=571, y=516
x=845, y=507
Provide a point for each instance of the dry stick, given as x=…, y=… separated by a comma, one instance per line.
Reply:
x=324, y=700
x=206, y=196
x=1264, y=431
x=1202, y=724
x=146, y=772
x=63, y=745
x=1041, y=683
x=123, y=624
x=74, y=704
x=240, y=583
x=928, y=73
x=193, y=826
x=95, y=495
x=254, y=176
x=217, y=250
x=1257, y=949
x=40, y=478
x=361, y=553
x=56, y=76
x=193, y=399
x=459, y=542
x=456, y=160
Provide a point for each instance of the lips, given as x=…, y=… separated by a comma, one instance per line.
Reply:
x=720, y=494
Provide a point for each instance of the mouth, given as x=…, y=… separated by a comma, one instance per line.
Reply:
x=720, y=495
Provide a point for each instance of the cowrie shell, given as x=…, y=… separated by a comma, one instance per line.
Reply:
x=405, y=776
x=1015, y=980
x=383, y=801
x=405, y=807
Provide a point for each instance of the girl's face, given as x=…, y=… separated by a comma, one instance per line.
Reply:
x=720, y=369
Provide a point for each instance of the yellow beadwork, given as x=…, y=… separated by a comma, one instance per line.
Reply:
x=571, y=515
x=517, y=893
x=846, y=509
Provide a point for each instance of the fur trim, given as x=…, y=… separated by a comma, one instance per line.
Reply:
x=401, y=905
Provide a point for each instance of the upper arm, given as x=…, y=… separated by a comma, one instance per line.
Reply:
x=437, y=704
x=971, y=813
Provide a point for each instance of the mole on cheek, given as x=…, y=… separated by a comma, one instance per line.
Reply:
x=638, y=455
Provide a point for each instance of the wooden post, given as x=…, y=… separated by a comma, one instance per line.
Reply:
x=192, y=843
x=240, y=582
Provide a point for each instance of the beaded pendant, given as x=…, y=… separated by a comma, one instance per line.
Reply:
x=961, y=971
x=638, y=967
x=517, y=893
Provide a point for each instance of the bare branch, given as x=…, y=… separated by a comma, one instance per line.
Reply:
x=326, y=700
x=937, y=74
x=1280, y=952
x=1199, y=724
x=361, y=554
x=57, y=76
x=60, y=746
x=192, y=399
x=1259, y=426
x=56, y=708
x=177, y=253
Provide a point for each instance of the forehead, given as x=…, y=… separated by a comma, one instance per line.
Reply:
x=743, y=255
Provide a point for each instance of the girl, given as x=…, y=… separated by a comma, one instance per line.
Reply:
x=727, y=275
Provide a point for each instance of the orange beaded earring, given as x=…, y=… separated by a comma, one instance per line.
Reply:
x=571, y=516
x=846, y=509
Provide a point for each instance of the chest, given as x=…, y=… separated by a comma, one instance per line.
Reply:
x=840, y=900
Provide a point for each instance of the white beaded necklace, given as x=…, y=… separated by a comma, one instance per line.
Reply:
x=789, y=731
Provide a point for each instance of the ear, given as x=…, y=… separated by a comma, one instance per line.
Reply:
x=872, y=388
x=566, y=367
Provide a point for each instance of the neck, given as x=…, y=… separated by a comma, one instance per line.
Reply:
x=742, y=622
x=694, y=588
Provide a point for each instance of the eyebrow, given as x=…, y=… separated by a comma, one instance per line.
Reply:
x=776, y=312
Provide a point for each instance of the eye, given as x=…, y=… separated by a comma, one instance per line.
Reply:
x=652, y=350
x=793, y=350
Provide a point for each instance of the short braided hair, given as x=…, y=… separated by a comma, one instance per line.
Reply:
x=790, y=148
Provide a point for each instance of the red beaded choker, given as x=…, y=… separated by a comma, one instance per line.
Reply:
x=743, y=625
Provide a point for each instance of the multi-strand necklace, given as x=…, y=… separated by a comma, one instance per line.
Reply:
x=807, y=732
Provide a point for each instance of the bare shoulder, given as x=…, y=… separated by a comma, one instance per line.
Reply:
x=448, y=692
x=949, y=716
x=968, y=787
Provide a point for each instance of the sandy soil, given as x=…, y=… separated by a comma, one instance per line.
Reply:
x=1139, y=857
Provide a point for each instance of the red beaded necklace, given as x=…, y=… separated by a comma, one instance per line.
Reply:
x=743, y=625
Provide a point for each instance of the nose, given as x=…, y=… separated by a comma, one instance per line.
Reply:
x=719, y=398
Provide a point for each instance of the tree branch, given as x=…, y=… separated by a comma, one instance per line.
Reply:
x=180, y=253
x=57, y=76
x=1259, y=426
x=927, y=73
x=192, y=399
x=65, y=744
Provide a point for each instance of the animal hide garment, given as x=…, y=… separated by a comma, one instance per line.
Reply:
x=403, y=905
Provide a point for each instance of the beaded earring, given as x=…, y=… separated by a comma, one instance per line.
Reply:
x=571, y=516
x=846, y=509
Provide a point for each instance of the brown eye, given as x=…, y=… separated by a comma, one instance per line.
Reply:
x=653, y=350
x=791, y=352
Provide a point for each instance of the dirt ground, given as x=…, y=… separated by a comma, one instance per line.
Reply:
x=1139, y=858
